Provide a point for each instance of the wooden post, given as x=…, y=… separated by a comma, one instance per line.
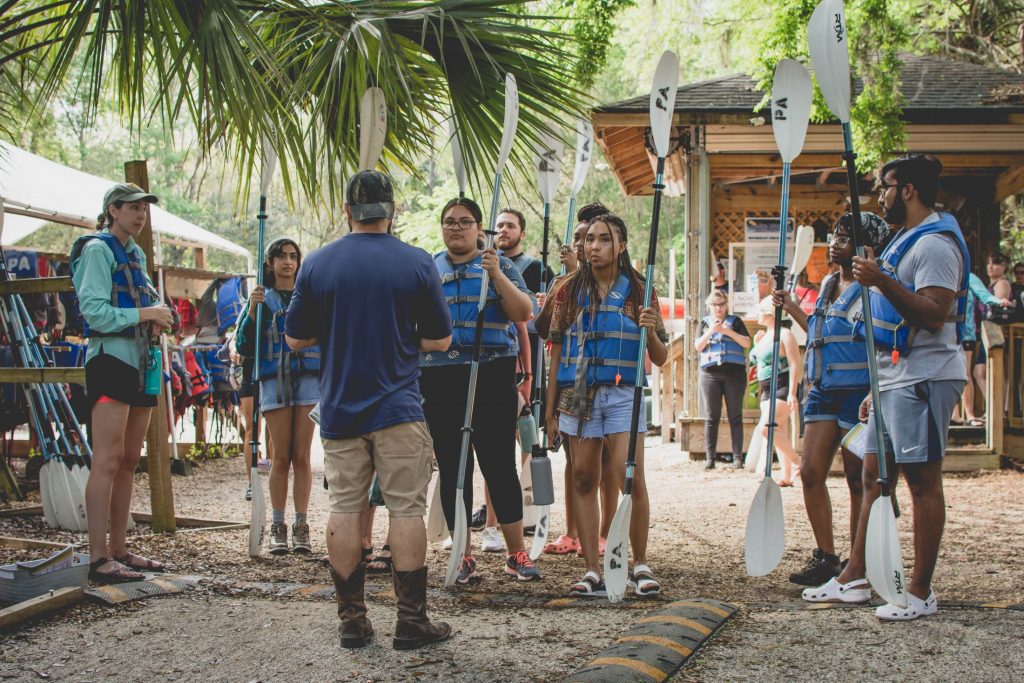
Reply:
x=995, y=385
x=157, y=451
x=200, y=253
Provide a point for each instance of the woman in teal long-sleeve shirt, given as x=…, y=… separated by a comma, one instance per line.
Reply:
x=119, y=326
x=976, y=291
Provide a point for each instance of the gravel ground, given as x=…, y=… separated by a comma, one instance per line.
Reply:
x=696, y=549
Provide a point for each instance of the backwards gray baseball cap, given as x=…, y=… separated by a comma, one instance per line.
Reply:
x=370, y=196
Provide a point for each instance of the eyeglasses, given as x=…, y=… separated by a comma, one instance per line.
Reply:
x=883, y=187
x=718, y=304
x=838, y=240
x=1018, y=272
x=459, y=225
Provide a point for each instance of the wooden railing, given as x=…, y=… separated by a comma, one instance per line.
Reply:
x=1013, y=336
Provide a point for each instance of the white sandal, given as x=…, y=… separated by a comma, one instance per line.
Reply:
x=642, y=581
x=590, y=586
x=854, y=592
x=916, y=607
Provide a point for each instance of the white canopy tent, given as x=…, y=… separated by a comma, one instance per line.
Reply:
x=36, y=191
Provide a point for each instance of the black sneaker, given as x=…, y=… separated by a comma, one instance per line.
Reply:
x=819, y=569
x=709, y=464
x=479, y=519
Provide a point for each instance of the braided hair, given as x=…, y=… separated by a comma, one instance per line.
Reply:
x=582, y=282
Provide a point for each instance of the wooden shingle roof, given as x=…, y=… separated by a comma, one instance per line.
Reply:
x=935, y=90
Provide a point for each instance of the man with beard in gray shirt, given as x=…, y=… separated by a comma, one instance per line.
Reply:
x=916, y=284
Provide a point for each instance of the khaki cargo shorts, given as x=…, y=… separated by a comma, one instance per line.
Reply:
x=400, y=455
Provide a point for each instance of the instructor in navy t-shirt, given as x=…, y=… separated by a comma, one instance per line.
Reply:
x=373, y=303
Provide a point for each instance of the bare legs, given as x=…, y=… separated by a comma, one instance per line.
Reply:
x=788, y=457
x=291, y=432
x=118, y=433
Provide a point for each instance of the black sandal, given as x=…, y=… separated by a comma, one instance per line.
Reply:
x=382, y=562
x=120, y=574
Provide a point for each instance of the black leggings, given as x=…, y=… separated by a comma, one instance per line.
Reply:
x=493, y=438
x=729, y=380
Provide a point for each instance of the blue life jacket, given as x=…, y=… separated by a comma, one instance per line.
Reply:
x=130, y=288
x=601, y=347
x=461, y=288
x=229, y=303
x=279, y=361
x=835, y=358
x=891, y=330
x=722, y=348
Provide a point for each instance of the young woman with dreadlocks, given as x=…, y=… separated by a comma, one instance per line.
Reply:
x=595, y=333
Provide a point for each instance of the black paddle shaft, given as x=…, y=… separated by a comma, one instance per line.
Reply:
x=850, y=157
x=254, y=442
x=638, y=391
x=540, y=383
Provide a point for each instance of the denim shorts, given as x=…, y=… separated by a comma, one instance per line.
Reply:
x=305, y=391
x=613, y=406
x=835, y=405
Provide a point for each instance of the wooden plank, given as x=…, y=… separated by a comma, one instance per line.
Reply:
x=29, y=543
x=37, y=285
x=995, y=383
x=43, y=375
x=157, y=437
x=53, y=601
x=22, y=512
x=1009, y=183
x=190, y=522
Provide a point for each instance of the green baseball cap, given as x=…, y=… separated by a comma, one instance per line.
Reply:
x=127, y=192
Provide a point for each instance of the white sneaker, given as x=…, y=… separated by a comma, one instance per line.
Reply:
x=491, y=541
x=916, y=607
x=447, y=545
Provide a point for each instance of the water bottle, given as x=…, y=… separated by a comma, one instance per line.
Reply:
x=543, y=487
x=154, y=372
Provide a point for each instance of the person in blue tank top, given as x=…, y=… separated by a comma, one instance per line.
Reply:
x=837, y=371
x=444, y=382
x=595, y=341
x=918, y=297
x=289, y=388
x=122, y=313
x=722, y=345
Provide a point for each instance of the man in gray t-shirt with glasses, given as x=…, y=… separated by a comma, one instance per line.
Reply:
x=916, y=285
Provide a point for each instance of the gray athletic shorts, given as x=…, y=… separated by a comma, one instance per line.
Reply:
x=916, y=420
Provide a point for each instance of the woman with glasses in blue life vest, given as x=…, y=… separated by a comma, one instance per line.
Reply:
x=289, y=388
x=722, y=345
x=444, y=382
x=595, y=335
x=788, y=381
x=123, y=315
x=837, y=371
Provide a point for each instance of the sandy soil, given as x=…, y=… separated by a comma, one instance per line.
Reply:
x=696, y=549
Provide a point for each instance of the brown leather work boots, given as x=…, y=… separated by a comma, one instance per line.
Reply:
x=355, y=629
x=414, y=629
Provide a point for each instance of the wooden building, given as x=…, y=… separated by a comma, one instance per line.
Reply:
x=726, y=167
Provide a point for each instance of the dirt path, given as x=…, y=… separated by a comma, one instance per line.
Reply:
x=696, y=548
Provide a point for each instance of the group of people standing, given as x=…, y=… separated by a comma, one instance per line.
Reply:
x=381, y=335
x=917, y=275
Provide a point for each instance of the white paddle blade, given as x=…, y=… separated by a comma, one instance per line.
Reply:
x=791, y=107
x=616, y=552
x=78, y=498
x=883, y=557
x=540, y=534
x=459, y=161
x=458, y=541
x=437, y=529
x=754, y=461
x=48, y=494
x=827, y=41
x=765, y=542
x=584, y=152
x=257, y=515
x=663, y=100
x=373, y=127
x=508, y=131
x=548, y=164
x=802, y=250
x=268, y=164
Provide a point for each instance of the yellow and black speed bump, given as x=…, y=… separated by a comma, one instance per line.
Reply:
x=157, y=584
x=658, y=645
